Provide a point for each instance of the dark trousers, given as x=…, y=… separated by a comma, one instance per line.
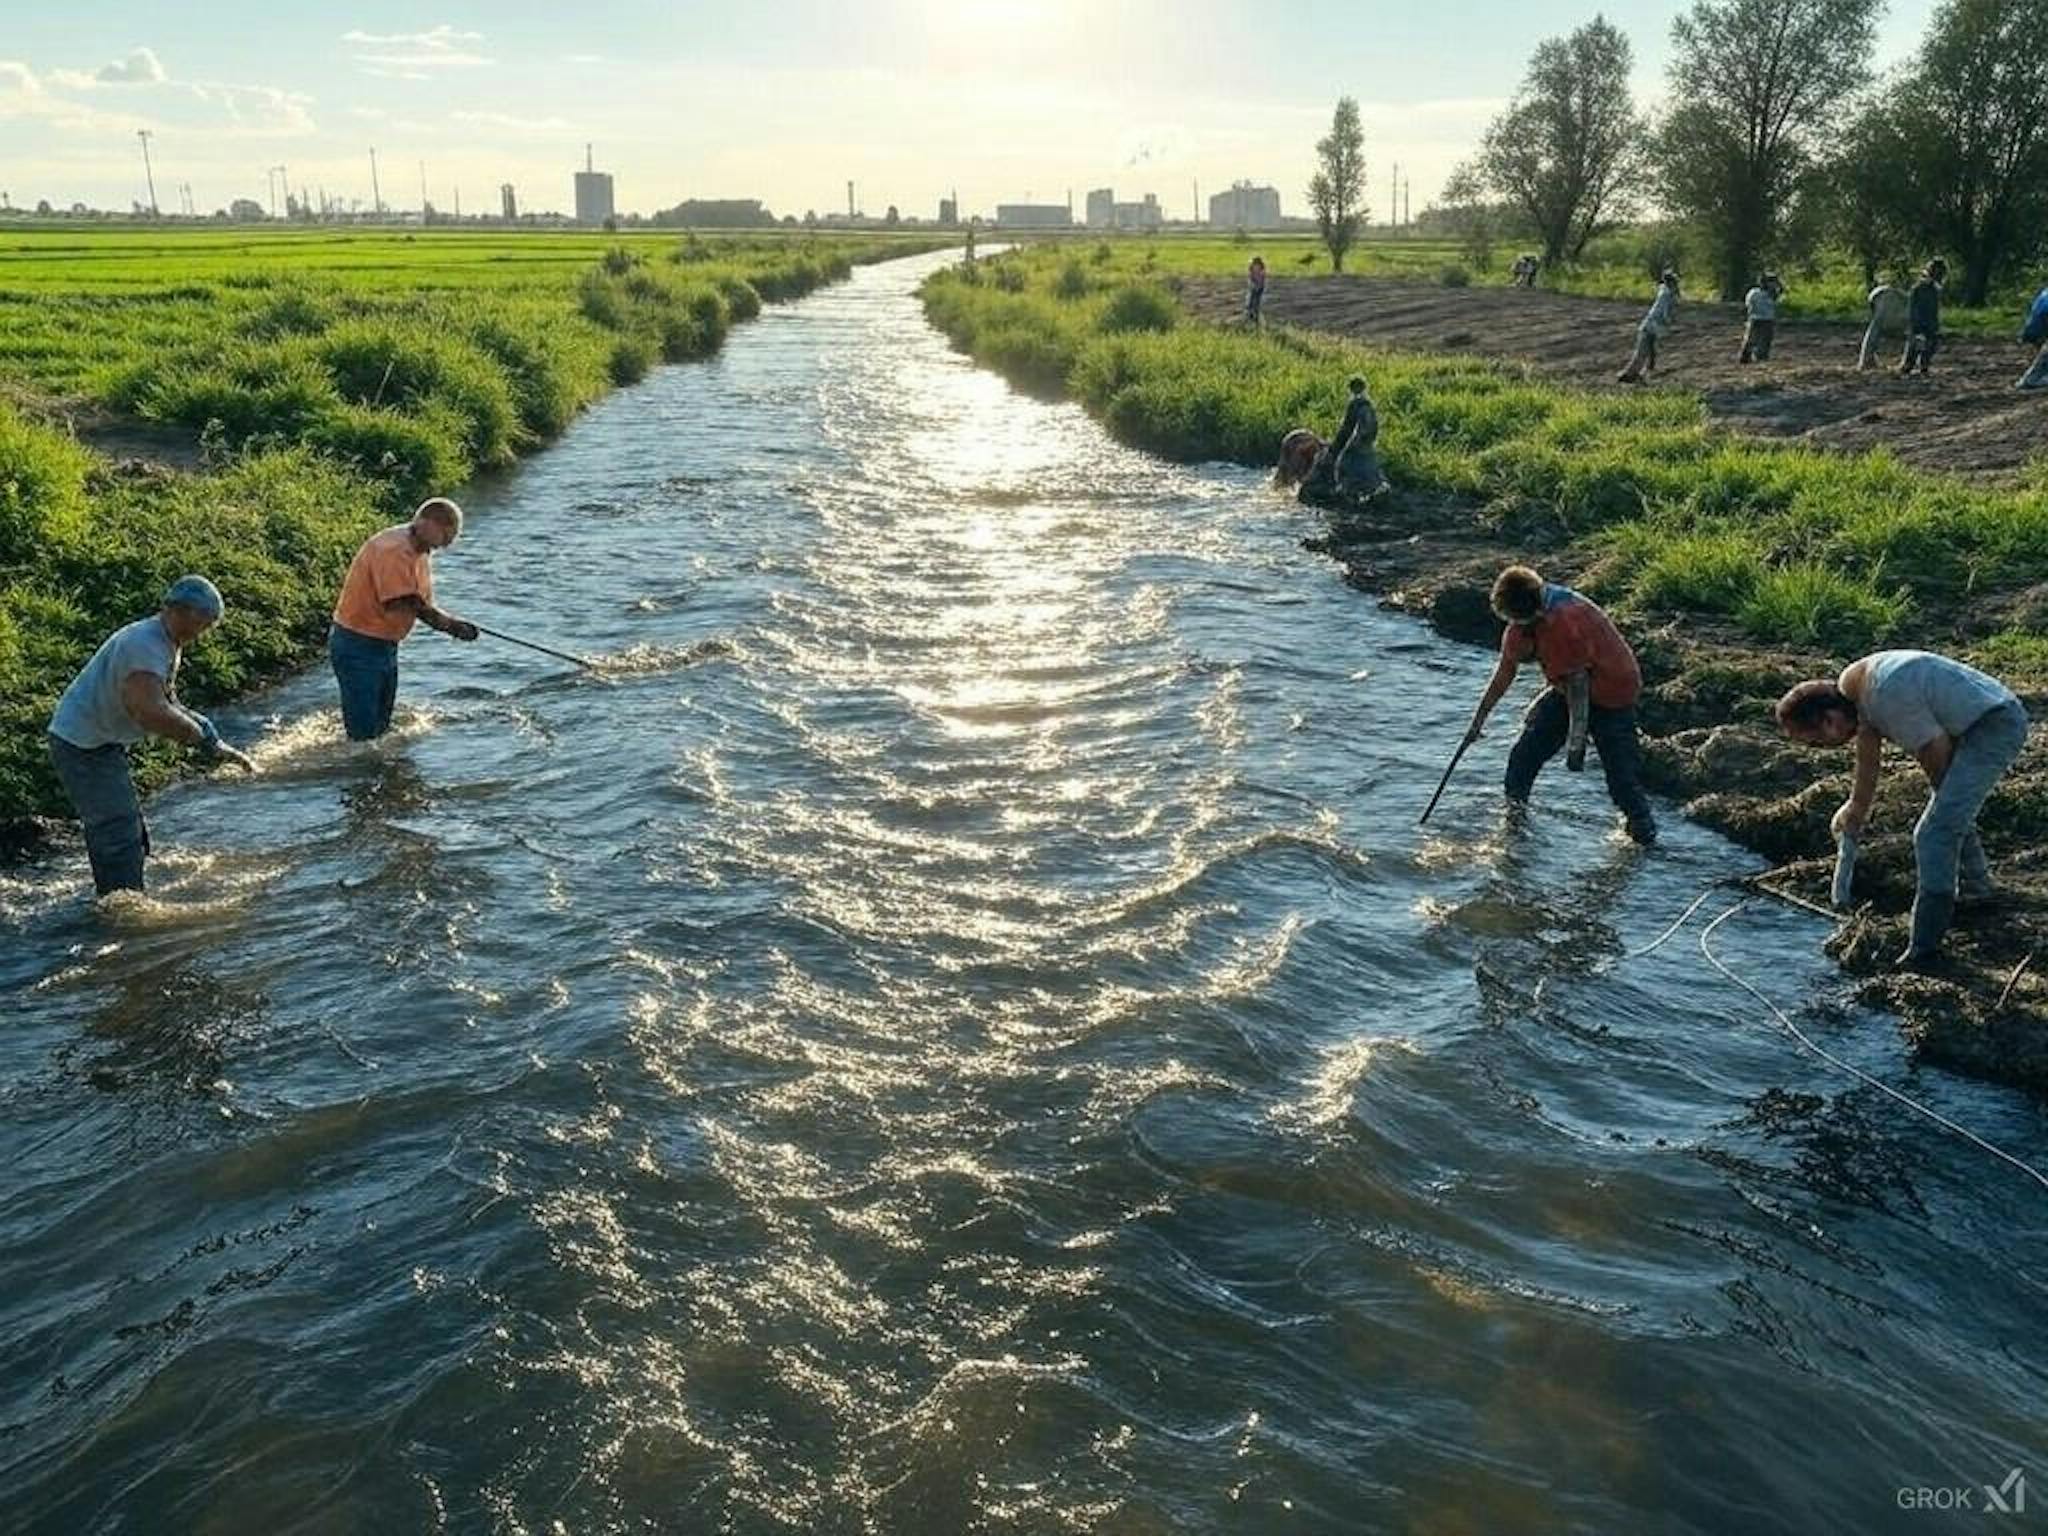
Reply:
x=1920, y=350
x=1757, y=336
x=102, y=790
x=367, y=671
x=1544, y=729
x=1254, y=301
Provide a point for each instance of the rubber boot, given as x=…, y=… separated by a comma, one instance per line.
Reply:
x=1933, y=911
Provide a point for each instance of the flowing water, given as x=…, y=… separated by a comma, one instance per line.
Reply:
x=954, y=1028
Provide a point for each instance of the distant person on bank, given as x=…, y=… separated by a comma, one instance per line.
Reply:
x=1594, y=684
x=389, y=586
x=1255, y=291
x=1656, y=324
x=129, y=690
x=1887, y=318
x=1760, y=319
x=1963, y=728
x=2035, y=333
x=1923, y=318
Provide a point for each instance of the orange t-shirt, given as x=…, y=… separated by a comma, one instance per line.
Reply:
x=389, y=565
x=1575, y=636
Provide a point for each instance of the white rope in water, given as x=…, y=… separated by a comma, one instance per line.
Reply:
x=1832, y=1060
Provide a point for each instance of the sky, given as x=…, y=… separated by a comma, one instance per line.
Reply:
x=1001, y=100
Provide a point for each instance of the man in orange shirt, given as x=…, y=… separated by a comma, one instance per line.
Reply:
x=389, y=585
x=1594, y=685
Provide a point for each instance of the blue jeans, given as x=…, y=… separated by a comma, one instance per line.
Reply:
x=1613, y=732
x=1945, y=842
x=116, y=837
x=2036, y=377
x=367, y=670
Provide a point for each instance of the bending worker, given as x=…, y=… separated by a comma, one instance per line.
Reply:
x=390, y=584
x=1594, y=685
x=2035, y=333
x=129, y=690
x=1656, y=324
x=1354, y=451
x=1962, y=727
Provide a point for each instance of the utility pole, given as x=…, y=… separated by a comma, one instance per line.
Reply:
x=423, y=192
x=849, y=201
x=284, y=185
x=145, y=134
x=458, y=205
x=1394, y=196
x=376, y=193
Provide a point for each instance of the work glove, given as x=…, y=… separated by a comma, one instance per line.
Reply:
x=462, y=629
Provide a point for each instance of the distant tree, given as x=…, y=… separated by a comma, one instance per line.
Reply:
x=1569, y=150
x=1971, y=116
x=1869, y=211
x=892, y=218
x=1759, y=84
x=1337, y=192
x=43, y=207
x=611, y=224
x=1465, y=213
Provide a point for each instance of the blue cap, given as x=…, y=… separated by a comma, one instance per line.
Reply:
x=196, y=593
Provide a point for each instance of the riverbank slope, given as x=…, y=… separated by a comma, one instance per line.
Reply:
x=1737, y=567
x=249, y=405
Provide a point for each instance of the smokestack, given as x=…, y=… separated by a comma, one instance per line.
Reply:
x=849, y=199
x=589, y=161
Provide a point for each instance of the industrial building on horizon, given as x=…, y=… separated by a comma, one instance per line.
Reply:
x=1245, y=206
x=594, y=204
x=1034, y=215
x=1105, y=212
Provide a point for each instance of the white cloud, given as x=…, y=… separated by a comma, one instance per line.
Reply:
x=18, y=80
x=506, y=122
x=139, y=66
x=415, y=55
x=443, y=36
x=259, y=111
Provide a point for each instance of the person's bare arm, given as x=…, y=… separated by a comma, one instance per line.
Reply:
x=1578, y=698
x=150, y=705
x=1497, y=687
x=1855, y=812
x=432, y=617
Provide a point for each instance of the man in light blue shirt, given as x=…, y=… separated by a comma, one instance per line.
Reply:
x=1963, y=727
x=2036, y=333
x=126, y=692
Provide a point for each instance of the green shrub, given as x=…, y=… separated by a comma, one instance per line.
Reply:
x=42, y=488
x=1454, y=277
x=1816, y=605
x=274, y=390
x=1008, y=277
x=1699, y=573
x=373, y=364
x=1140, y=307
x=1072, y=283
x=414, y=455
x=631, y=360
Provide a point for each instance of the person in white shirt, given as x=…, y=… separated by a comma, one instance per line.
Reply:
x=1760, y=323
x=1643, y=362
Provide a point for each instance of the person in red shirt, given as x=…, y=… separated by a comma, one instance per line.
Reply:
x=390, y=584
x=1594, y=684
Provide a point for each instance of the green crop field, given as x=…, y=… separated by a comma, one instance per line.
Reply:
x=1670, y=515
x=307, y=385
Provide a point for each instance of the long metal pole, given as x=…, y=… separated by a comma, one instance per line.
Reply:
x=149, y=175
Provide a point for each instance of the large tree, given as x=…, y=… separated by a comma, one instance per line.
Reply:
x=1566, y=152
x=1869, y=211
x=1337, y=191
x=1758, y=85
x=1971, y=116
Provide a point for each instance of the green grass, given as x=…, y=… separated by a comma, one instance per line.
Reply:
x=1670, y=515
x=330, y=380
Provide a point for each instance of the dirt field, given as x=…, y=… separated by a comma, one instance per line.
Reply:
x=1964, y=417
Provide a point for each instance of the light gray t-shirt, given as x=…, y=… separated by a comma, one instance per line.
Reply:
x=91, y=713
x=1911, y=697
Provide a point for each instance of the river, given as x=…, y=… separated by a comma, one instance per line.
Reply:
x=954, y=1027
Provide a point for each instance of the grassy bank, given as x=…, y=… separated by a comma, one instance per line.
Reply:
x=1672, y=517
x=309, y=388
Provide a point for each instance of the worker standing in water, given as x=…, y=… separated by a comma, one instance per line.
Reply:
x=389, y=587
x=1594, y=685
x=128, y=691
